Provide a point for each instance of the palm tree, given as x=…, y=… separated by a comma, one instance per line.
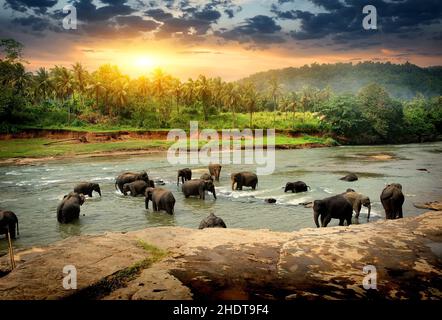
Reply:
x=143, y=86
x=43, y=84
x=250, y=98
x=119, y=92
x=80, y=76
x=231, y=97
x=63, y=84
x=275, y=91
x=94, y=89
x=204, y=93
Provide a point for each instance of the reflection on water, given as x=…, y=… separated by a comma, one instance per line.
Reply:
x=33, y=192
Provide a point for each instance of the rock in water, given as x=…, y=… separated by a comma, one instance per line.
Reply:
x=212, y=221
x=350, y=177
x=270, y=200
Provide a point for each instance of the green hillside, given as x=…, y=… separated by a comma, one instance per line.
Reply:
x=400, y=80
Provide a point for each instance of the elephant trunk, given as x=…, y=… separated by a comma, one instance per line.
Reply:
x=99, y=191
x=315, y=217
x=369, y=210
x=214, y=194
x=233, y=184
x=147, y=202
x=178, y=179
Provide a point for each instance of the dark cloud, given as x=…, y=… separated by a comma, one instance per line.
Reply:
x=260, y=29
x=136, y=23
x=229, y=13
x=88, y=12
x=158, y=14
x=39, y=6
x=344, y=18
x=207, y=15
x=34, y=24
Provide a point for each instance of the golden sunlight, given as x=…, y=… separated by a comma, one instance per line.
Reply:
x=145, y=62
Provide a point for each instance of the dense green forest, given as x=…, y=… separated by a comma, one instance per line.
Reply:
x=403, y=81
x=73, y=97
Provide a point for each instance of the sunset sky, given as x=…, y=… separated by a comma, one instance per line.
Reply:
x=227, y=38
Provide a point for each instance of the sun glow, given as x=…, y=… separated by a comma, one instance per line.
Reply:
x=145, y=62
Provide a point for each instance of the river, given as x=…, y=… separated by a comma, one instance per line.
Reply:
x=34, y=191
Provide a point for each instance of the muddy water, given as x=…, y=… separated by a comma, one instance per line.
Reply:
x=33, y=191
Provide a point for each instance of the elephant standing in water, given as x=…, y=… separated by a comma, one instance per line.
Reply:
x=215, y=170
x=185, y=175
x=162, y=199
x=69, y=208
x=198, y=187
x=128, y=177
x=392, y=200
x=336, y=207
x=212, y=221
x=87, y=188
x=298, y=186
x=137, y=188
x=357, y=200
x=244, y=179
x=8, y=222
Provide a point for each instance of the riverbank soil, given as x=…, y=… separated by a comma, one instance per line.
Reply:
x=181, y=263
x=45, y=145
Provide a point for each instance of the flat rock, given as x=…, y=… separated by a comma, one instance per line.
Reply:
x=208, y=264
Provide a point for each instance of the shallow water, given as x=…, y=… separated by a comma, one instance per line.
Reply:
x=34, y=191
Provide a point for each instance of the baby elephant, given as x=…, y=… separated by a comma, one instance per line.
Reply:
x=87, y=188
x=185, y=175
x=392, y=200
x=243, y=179
x=162, y=199
x=69, y=208
x=198, y=187
x=8, y=222
x=357, y=200
x=212, y=221
x=206, y=176
x=336, y=207
x=298, y=186
x=137, y=188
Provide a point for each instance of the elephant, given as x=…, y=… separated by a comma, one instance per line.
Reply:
x=244, y=179
x=185, y=175
x=206, y=176
x=128, y=177
x=392, y=200
x=212, y=221
x=215, y=170
x=69, y=208
x=198, y=187
x=162, y=199
x=350, y=177
x=357, y=200
x=137, y=188
x=336, y=207
x=87, y=188
x=298, y=186
x=8, y=222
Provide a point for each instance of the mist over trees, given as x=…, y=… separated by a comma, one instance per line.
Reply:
x=66, y=97
x=402, y=81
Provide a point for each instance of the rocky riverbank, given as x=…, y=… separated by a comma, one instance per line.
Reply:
x=180, y=263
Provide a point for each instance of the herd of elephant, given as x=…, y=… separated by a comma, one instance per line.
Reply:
x=340, y=206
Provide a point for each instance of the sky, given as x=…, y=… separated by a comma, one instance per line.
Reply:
x=227, y=38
